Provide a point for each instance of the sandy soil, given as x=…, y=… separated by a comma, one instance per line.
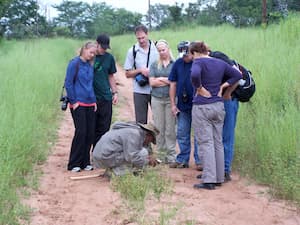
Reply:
x=63, y=201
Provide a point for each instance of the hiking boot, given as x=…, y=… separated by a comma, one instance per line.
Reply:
x=178, y=165
x=227, y=177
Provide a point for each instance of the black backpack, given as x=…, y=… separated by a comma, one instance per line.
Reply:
x=246, y=88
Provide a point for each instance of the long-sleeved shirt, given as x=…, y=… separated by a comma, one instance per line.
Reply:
x=210, y=73
x=79, y=82
x=123, y=144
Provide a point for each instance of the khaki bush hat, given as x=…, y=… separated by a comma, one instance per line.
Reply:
x=150, y=128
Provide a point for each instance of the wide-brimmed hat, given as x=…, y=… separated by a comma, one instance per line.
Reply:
x=150, y=128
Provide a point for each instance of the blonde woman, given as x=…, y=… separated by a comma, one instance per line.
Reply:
x=82, y=103
x=161, y=104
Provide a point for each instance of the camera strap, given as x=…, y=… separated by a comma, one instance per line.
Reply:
x=134, y=55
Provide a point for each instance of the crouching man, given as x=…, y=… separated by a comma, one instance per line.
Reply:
x=123, y=149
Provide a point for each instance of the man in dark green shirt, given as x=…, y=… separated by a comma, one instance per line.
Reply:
x=104, y=86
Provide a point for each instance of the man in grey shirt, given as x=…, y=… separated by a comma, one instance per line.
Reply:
x=123, y=149
x=138, y=60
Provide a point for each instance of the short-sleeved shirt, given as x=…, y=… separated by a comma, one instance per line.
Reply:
x=160, y=71
x=103, y=67
x=181, y=74
x=140, y=62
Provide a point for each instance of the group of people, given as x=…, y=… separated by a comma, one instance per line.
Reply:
x=189, y=92
x=91, y=89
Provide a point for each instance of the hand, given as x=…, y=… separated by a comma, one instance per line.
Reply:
x=95, y=109
x=152, y=161
x=75, y=106
x=175, y=110
x=145, y=72
x=203, y=92
x=115, y=99
x=221, y=92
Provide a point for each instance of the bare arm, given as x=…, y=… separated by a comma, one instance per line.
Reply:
x=133, y=73
x=113, y=86
x=172, y=93
x=159, y=81
x=203, y=92
x=229, y=90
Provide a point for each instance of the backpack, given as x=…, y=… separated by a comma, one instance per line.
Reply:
x=246, y=88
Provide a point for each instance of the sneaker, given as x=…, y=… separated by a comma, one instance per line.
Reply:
x=88, y=168
x=178, y=165
x=227, y=177
x=76, y=169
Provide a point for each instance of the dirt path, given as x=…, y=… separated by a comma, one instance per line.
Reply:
x=62, y=201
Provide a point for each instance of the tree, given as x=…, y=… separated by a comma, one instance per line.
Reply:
x=21, y=20
x=293, y=5
x=105, y=19
x=176, y=13
x=240, y=12
x=74, y=16
x=159, y=13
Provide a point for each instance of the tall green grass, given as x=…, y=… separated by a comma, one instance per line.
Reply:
x=268, y=128
x=267, y=134
x=32, y=73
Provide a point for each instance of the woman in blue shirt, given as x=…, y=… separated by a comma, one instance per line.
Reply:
x=82, y=103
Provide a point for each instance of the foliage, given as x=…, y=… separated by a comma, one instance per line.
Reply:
x=137, y=188
x=83, y=20
x=21, y=19
x=267, y=133
x=79, y=19
x=32, y=73
x=3, y=7
x=73, y=16
x=159, y=14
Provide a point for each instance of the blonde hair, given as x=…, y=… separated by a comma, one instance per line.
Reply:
x=165, y=43
x=87, y=45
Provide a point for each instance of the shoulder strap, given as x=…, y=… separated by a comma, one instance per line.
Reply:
x=134, y=55
x=222, y=56
x=76, y=71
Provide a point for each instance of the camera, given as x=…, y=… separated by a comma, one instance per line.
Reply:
x=64, y=102
x=141, y=79
x=185, y=97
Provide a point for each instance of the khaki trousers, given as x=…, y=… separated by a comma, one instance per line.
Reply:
x=207, y=121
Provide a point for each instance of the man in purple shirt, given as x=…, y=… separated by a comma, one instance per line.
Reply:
x=210, y=77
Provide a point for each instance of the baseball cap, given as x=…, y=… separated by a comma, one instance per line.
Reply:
x=103, y=40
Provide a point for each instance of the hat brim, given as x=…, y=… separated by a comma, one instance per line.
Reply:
x=144, y=126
